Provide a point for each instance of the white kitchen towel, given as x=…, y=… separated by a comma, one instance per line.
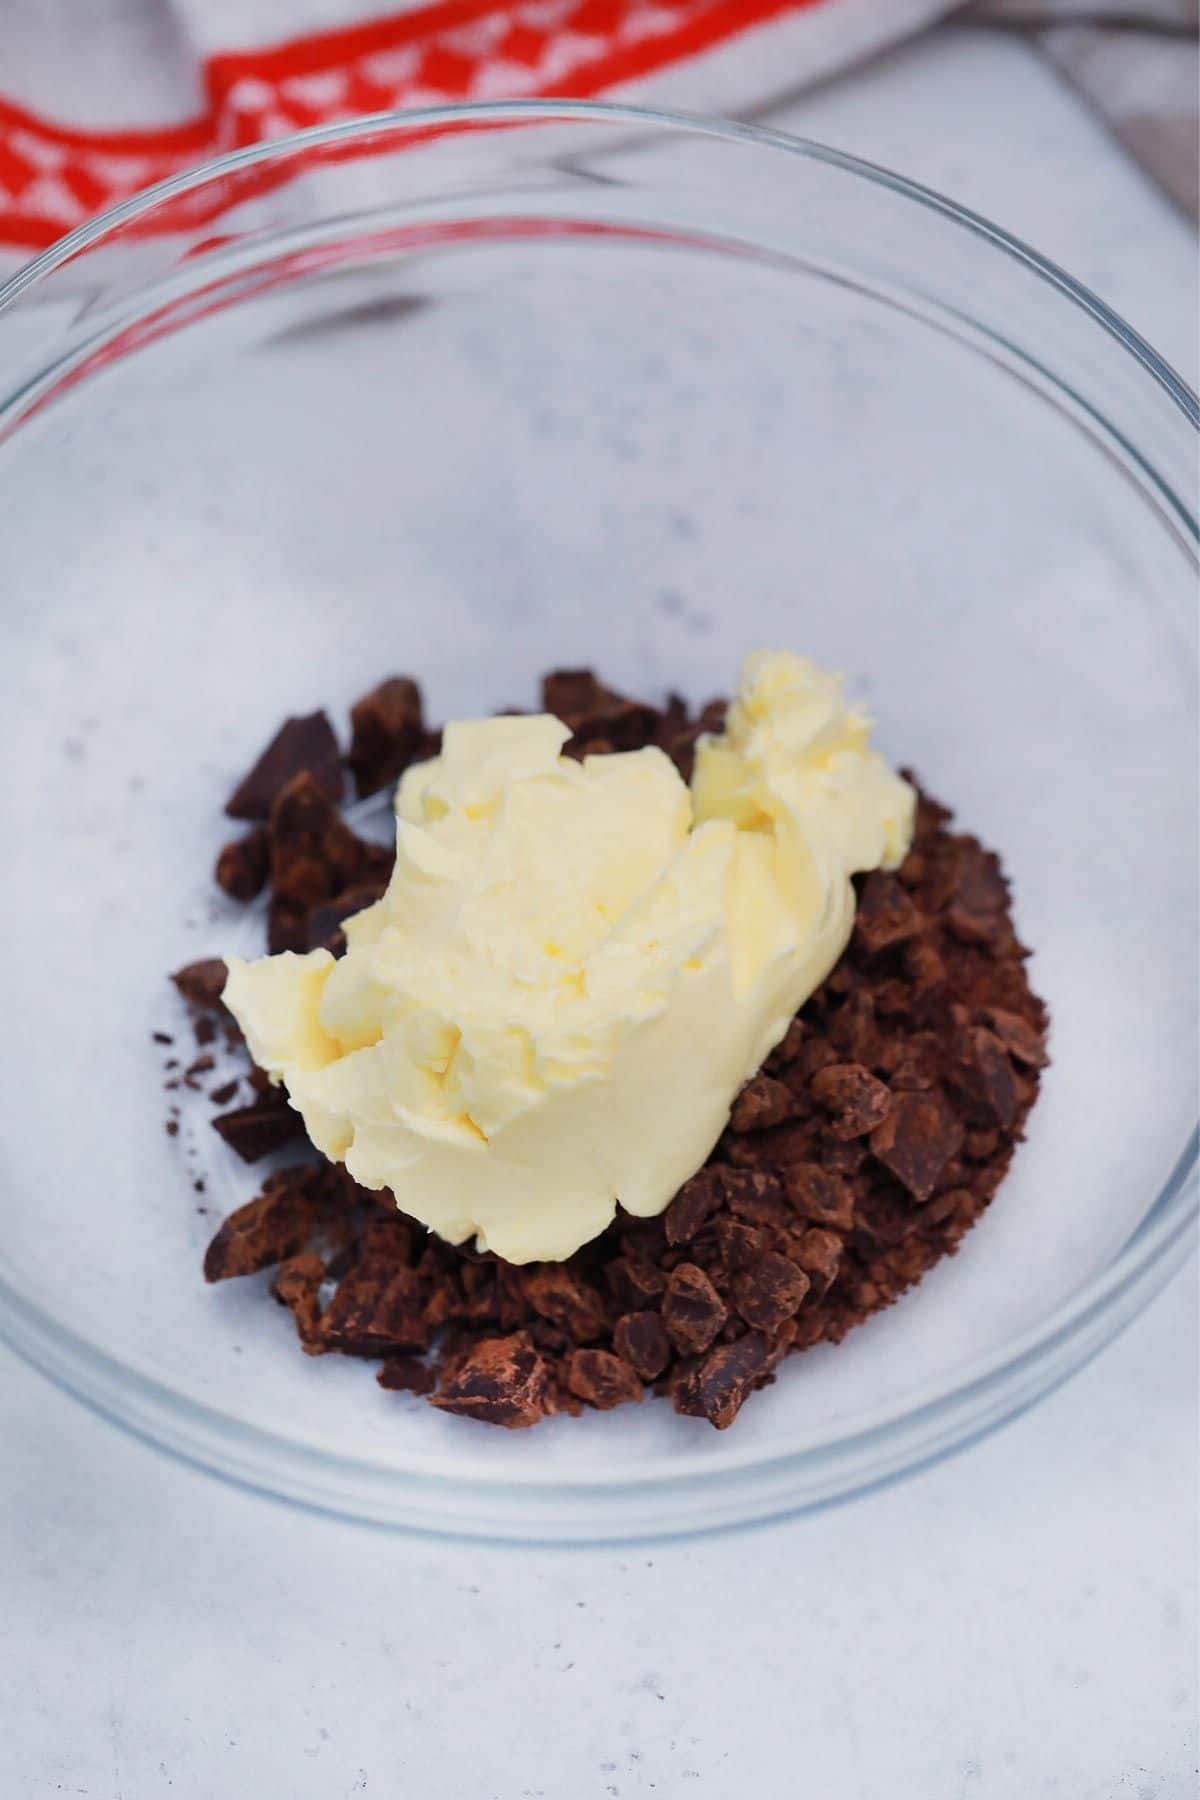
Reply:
x=101, y=97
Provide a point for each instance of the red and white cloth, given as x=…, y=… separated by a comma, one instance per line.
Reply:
x=99, y=98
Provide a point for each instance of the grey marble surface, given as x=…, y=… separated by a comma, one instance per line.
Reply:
x=1019, y=1622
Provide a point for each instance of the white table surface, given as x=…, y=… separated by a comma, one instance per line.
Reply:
x=1018, y=1623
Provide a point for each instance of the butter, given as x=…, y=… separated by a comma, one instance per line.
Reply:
x=577, y=965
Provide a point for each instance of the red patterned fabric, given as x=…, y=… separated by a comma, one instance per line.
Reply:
x=53, y=177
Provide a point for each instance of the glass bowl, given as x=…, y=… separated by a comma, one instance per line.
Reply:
x=472, y=394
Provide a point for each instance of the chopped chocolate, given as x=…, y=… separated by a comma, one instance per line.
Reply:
x=634, y=1281
x=984, y=1079
x=267, y=1230
x=202, y=983
x=600, y=1378
x=917, y=1139
x=641, y=1338
x=693, y=1206
x=557, y=1293
x=769, y=1290
x=819, y=1195
x=388, y=731
x=376, y=1310
x=314, y=854
x=500, y=1381
x=885, y=915
x=762, y=1102
x=872, y=1139
x=256, y=1130
x=1024, y=1042
x=855, y=1098
x=243, y=864
x=301, y=746
x=819, y=1254
x=600, y=719
x=297, y=1285
x=692, y=1310
x=404, y=1374
x=718, y=1387
x=323, y=926
x=162, y=1037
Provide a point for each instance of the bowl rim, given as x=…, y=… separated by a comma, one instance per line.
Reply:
x=104, y=1381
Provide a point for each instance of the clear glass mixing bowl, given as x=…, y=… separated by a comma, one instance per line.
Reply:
x=471, y=394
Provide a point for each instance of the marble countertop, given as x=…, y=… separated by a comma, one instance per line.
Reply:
x=1018, y=1623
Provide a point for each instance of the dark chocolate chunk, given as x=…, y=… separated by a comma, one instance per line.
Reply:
x=202, y=983
x=323, y=926
x=819, y=1195
x=600, y=719
x=314, y=853
x=762, y=1102
x=770, y=1290
x=718, y=1387
x=857, y=1100
x=885, y=915
x=269, y=1229
x=557, y=1293
x=600, y=1378
x=256, y=1130
x=692, y=1310
x=1024, y=1042
x=634, y=1281
x=917, y=1139
x=301, y=746
x=984, y=1079
x=404, y=1374
x=377, y=1309
x=819, y=1254
x=297, y=1285
x=693, y=1206
x=501, y=1381
x=242, y=865
x=388, y=730
x=641, y=1338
